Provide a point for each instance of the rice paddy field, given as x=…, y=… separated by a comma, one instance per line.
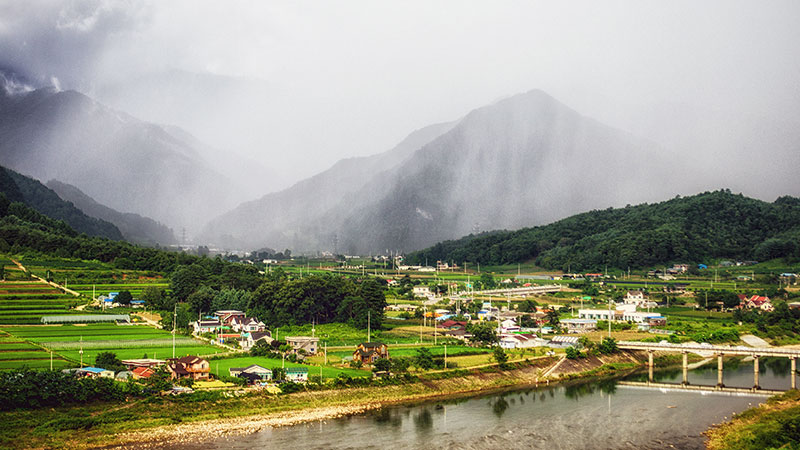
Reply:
x=31, y=345
x=25, y=300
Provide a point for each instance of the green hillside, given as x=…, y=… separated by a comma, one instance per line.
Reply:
x=689, y=229
x=19, y=188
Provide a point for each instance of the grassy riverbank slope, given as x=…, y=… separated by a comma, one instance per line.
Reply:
x=194, y=418
x=774, y=424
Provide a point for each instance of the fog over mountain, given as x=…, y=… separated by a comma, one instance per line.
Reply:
x=524, y=160
x=134, y=228
x=116, y=159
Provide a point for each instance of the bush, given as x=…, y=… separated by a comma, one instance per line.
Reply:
x=573, y=353
x=290, y=387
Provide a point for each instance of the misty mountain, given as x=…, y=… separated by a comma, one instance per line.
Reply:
x=279, y=217
x=134, y=228
x=19, y=188
x=522, y=161
x=116, y=159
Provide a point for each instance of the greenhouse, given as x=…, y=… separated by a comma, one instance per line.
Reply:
x=86, y=318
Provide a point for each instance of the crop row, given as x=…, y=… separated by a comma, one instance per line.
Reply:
x=57, y=363
x=12, y=346
x=7, y=356
x=121, y=343
x=151, y=352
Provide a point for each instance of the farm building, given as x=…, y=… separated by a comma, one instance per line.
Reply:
x=252, y=373
x=369, y=352
x=306, y=343
x=192, y=367
x=297, y=374
x=580, y=325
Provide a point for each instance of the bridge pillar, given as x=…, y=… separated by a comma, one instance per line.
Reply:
x=755, y=372
x=685, y=367
x=794, y=371
x=650, y=366
x=719, y=371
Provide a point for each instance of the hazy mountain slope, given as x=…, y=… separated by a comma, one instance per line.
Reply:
x=276, y=218
x=114, y=158
x=134, y=228
x=689, y=229
x=19, y=188
x=522, y=161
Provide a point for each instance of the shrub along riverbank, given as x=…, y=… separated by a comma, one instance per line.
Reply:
x=775, y=424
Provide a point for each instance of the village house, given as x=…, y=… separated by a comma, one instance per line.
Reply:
x=600, y=314
x=638, y=299
x=450, y=325
x=249, y=340
x=297, y=374
x=206, y=326
x=142, y=372
x=422, y=291
x=131, y=364
x=253, y=373
x=308, y=344
x=247, y=325
x=755, y=302
x=94, y=372
x=226, y=317
x=522, y=340
x=580, y=325
x=369, y=352
x=192, y=367
x=509, y=326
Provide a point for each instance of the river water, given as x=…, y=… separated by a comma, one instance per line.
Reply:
x=585, y=415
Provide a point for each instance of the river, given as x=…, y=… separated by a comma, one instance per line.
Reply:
x=585, y=415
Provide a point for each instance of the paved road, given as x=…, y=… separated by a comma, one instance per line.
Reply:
x=755, y=341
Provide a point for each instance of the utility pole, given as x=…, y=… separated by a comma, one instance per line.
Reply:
x=174, y=322
x=81, y=352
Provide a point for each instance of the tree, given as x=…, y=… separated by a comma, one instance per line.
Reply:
x=423, y=359
x=487, y=281
x=483, y=332
x=109, y=361
x=608, y=346
x=186, y=280
x=573, y=353
x=123, y=298
x=553, y=317
x=400, y=364
x=200, y=300
x=382, y=365
x=500, y=356
x=153, y=297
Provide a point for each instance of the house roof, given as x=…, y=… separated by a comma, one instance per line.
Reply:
x=144, y=372
x=297, y=370
x=189, y=359
x=93, y=369
x=256, y=335
x=372, y=344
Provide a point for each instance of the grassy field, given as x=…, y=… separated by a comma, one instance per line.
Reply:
x=66, y=341
x=222, y=366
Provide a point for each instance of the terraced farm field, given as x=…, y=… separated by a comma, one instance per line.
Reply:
x=127, y=341
x=25, y=302
x=16, y=353
x=103, y=289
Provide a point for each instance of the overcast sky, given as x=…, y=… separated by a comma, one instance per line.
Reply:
x=349, y=78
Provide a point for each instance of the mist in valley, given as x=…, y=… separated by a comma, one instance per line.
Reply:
x=363, y=126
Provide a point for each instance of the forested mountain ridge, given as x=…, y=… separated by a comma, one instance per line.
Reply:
x=685, y=229
x=134, y=228
x=19, y=188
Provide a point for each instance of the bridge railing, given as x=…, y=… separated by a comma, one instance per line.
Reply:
x=725, y=349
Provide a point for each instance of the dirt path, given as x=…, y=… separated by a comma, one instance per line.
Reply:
x=51, y=283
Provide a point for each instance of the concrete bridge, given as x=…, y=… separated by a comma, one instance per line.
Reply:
x=719, y=351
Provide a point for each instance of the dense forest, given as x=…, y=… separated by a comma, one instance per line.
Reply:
x=19, y=188
x=685, y=229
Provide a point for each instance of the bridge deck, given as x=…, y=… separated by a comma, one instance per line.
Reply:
x=717, y=349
